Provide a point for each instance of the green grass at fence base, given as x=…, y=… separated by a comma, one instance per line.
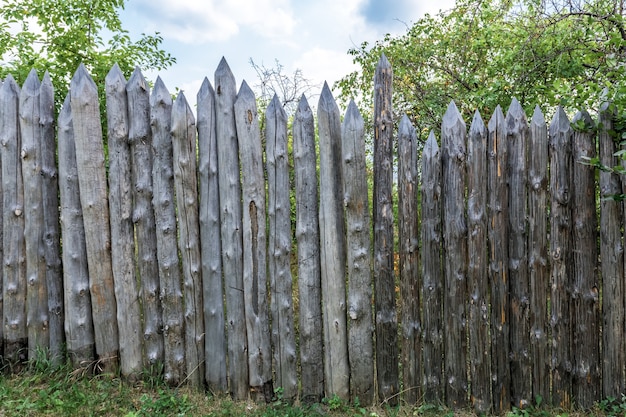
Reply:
x=44, y=390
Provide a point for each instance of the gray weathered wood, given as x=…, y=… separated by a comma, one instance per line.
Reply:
x=585, y=285
x=254, y=245
x=359, y=258
x=186, y=186
x=517, y=136
x=79, y=331
x=539, y=267
x=612, y=265
x=477, y=267
x=279, y=249
x=432, y=271
x=163, y=201
x=140, y=139
x=37, y=289
x=384, y=276
x=231, y=229
x=453, y=155
x=561, y=258
x=332, y=248
x=14, y=267
x=52, y=244
x=93, y=197
x=122, y=233
x=497, y=225
x=210, y=243
x=308, y=241
x=410, y=277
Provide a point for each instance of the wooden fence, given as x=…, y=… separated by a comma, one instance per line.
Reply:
x=179, y=258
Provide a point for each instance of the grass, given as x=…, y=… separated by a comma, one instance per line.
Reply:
x=45, y=390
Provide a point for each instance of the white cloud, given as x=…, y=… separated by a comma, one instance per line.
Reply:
x=198, y=21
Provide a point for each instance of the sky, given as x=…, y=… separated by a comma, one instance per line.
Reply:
x=313, y=36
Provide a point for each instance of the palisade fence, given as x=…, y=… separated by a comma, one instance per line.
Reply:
x=178, y=259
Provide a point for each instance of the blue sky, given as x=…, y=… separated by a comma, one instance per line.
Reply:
x=311, y=35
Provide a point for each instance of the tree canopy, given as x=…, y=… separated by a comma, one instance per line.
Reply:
x=56, y=36
x=481, y=53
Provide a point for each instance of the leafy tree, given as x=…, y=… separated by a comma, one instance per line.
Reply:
x=57, y=36
x=483, y=52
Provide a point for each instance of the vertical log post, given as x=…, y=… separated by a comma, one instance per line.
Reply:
x=359, y=260
x=51, y=238
x=186, y=186
x=122, y=233
x=79, y=331
x=497, y=189
x=37, y=290
x=539, y=267
x=332, y=248
x=308, y=242
x=279, y=249
x=254, y=245
x=561, y=257
x=410, y=281
x=612, y=266
x=164, y=203
x=585, y=285
x=94, y=202
x=432, y=271
x=14, y=250
x=140, y=139
x=453, y=155
x=210, y=242
x=384, y=274
x=477, y=267
x=517, y=137
x=231, y=229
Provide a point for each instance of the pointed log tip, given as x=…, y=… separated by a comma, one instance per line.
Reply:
x=137, y=81
x=160, y=93
x=276, y=109
x=431, y=147
x=326, y=95
x=303, y=105
x=560, y=121
x=82, y=79
x=515, y=109
x=405, y=123
x=538, y=117
x=206, y=91
x=115, y=73
x=585, y=117
x=223, y=69
x=452, y=115
x=352, y=112
x=32, y=84
x=478, y=125
x=383, y=62
x=245, y=91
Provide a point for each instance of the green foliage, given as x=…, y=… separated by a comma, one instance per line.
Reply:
x=484, y=52
x=56, y=36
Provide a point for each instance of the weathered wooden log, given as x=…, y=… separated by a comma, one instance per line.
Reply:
x=122, y=232
x=561, y=258
x=163, y=201
x=538, y=254
x=384, y=276
x=477, y=267
x=308, y=241
x=186, y=186
x=432, y=271
x=279, y=249
x=79, y=331
x=453, y=156
x=52, y=243
x=517, y=137
x=37, y=289
x=231, y=228
x=498, y=226
x=612, y=266
x=410, y=277
x=585, y=285
x=332, y=248
x=93, y=197
x=359, y=258
x=254, y=245
x=210, y=242
x=140, y=139
x=14, y=266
